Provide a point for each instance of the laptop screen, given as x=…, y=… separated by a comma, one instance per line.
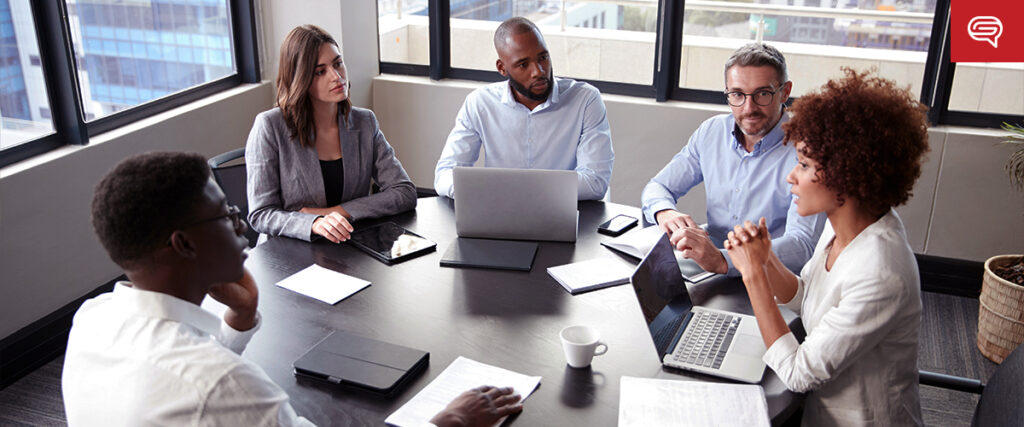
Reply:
x=658, y=281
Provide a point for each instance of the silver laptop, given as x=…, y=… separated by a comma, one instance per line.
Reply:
x=519, y=204
x=705, y=340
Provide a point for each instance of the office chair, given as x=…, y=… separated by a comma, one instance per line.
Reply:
x=231, y=179
x=999, y=404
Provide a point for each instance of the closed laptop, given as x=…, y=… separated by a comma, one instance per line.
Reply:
x=517, y=204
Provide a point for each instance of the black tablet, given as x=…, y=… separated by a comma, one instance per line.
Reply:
x=390, y=242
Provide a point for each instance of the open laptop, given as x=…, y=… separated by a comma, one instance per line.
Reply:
x=518, y=204
x=705, y=340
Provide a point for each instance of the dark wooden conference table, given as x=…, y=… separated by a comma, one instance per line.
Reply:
x=503, y=318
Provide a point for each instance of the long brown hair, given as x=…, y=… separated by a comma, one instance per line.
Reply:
x=299, y=53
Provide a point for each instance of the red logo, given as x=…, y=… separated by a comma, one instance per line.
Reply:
x=987, y=30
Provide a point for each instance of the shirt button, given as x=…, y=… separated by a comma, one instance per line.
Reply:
x=735, y=217
x=737, y=190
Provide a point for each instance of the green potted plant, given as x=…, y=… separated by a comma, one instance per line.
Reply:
x=1001, y=311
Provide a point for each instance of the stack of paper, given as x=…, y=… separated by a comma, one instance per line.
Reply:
x=591, y=274
x=463, y=374
x=325, y=285
x=647, y=402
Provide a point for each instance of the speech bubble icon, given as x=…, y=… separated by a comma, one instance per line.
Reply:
x=985, y=28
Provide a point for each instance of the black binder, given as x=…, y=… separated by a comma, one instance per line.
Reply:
x=487, y=253
x=363, y=363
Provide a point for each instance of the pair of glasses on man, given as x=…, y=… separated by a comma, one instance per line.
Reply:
x=762, y=97
x=234, y=214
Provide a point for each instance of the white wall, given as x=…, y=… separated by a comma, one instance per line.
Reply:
x=49, y=255
x=353, y=23
x=963, y=206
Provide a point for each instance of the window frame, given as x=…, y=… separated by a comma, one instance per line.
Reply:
x=62, y=84
x=937, y=81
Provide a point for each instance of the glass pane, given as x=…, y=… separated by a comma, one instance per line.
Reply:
x=130, y=53
x=606, y=40
x=988, y=88
x=24, y=103
x=403, y=29
x=816, y=36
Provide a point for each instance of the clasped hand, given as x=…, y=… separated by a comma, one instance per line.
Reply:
x=334, y=227
x=749, y=246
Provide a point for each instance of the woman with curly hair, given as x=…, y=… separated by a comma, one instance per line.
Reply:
x=860, y=142
x=310, y=161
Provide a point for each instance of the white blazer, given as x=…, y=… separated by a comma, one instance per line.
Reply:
x=859, y=360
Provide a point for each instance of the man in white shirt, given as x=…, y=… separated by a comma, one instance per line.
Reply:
x=531, y=121
x=146, y=353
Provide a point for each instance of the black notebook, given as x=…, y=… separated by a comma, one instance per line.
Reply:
x=487, y=253
x=363, y=363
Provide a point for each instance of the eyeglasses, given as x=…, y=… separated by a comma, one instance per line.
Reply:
x=234, y=214
x=762, y=97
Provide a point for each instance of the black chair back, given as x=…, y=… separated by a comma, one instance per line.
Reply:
x=1002, y=401
x=231, y=179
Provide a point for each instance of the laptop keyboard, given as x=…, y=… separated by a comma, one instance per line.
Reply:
x=706, y=339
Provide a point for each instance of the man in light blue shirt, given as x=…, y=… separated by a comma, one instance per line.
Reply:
x=743, y=163
x=531, y=121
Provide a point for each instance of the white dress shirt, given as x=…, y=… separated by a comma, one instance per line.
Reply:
x=145, y=358
x=862, y=317
x=568, y=131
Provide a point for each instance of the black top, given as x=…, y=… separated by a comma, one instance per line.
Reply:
x=334, y=180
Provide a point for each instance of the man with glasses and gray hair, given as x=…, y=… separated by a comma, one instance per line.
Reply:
x=743, y=163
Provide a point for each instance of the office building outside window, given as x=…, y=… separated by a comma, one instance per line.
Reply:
x=597, y=40
x=130, y=53
x=403, y=29
x=816, y=36
x=24, y=106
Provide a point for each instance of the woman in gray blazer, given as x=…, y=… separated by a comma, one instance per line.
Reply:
x=310, y=161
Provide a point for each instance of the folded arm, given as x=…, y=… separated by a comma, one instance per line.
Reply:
x=263, y=185
x=397, y=192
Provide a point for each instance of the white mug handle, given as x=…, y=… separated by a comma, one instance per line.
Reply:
x=598, y=350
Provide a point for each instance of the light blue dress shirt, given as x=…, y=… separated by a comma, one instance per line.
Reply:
x=740, y=186
x=568, y=131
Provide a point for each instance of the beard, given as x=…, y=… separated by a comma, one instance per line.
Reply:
x=758, y=131
x=525, y=91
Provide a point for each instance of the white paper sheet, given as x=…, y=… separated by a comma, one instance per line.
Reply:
x=648, y=402
x=323, y=284
x=463, y=374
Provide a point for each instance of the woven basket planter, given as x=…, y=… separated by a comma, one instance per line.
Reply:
x=1000, y=313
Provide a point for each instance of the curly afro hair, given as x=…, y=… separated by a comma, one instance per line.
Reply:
x=867, y=135
x=140, y=202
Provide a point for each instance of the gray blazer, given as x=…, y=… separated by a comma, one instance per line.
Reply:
x=283, y=176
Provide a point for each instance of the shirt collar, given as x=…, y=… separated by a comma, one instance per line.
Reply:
x=158, y=305
x=508, y=99
x=773, y=138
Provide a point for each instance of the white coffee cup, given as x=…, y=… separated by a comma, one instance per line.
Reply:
x=580, y=344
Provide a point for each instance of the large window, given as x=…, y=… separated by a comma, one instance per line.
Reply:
x=676, y=49
x=134, y=52
x=594, y=40
x=123, y=61
x=24, y=106
x=816, y=36
x=402, y=26
x=988, y=88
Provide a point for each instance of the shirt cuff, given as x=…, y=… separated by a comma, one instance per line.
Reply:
x=658, y=206
x=237, y=340
x=781, y=350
